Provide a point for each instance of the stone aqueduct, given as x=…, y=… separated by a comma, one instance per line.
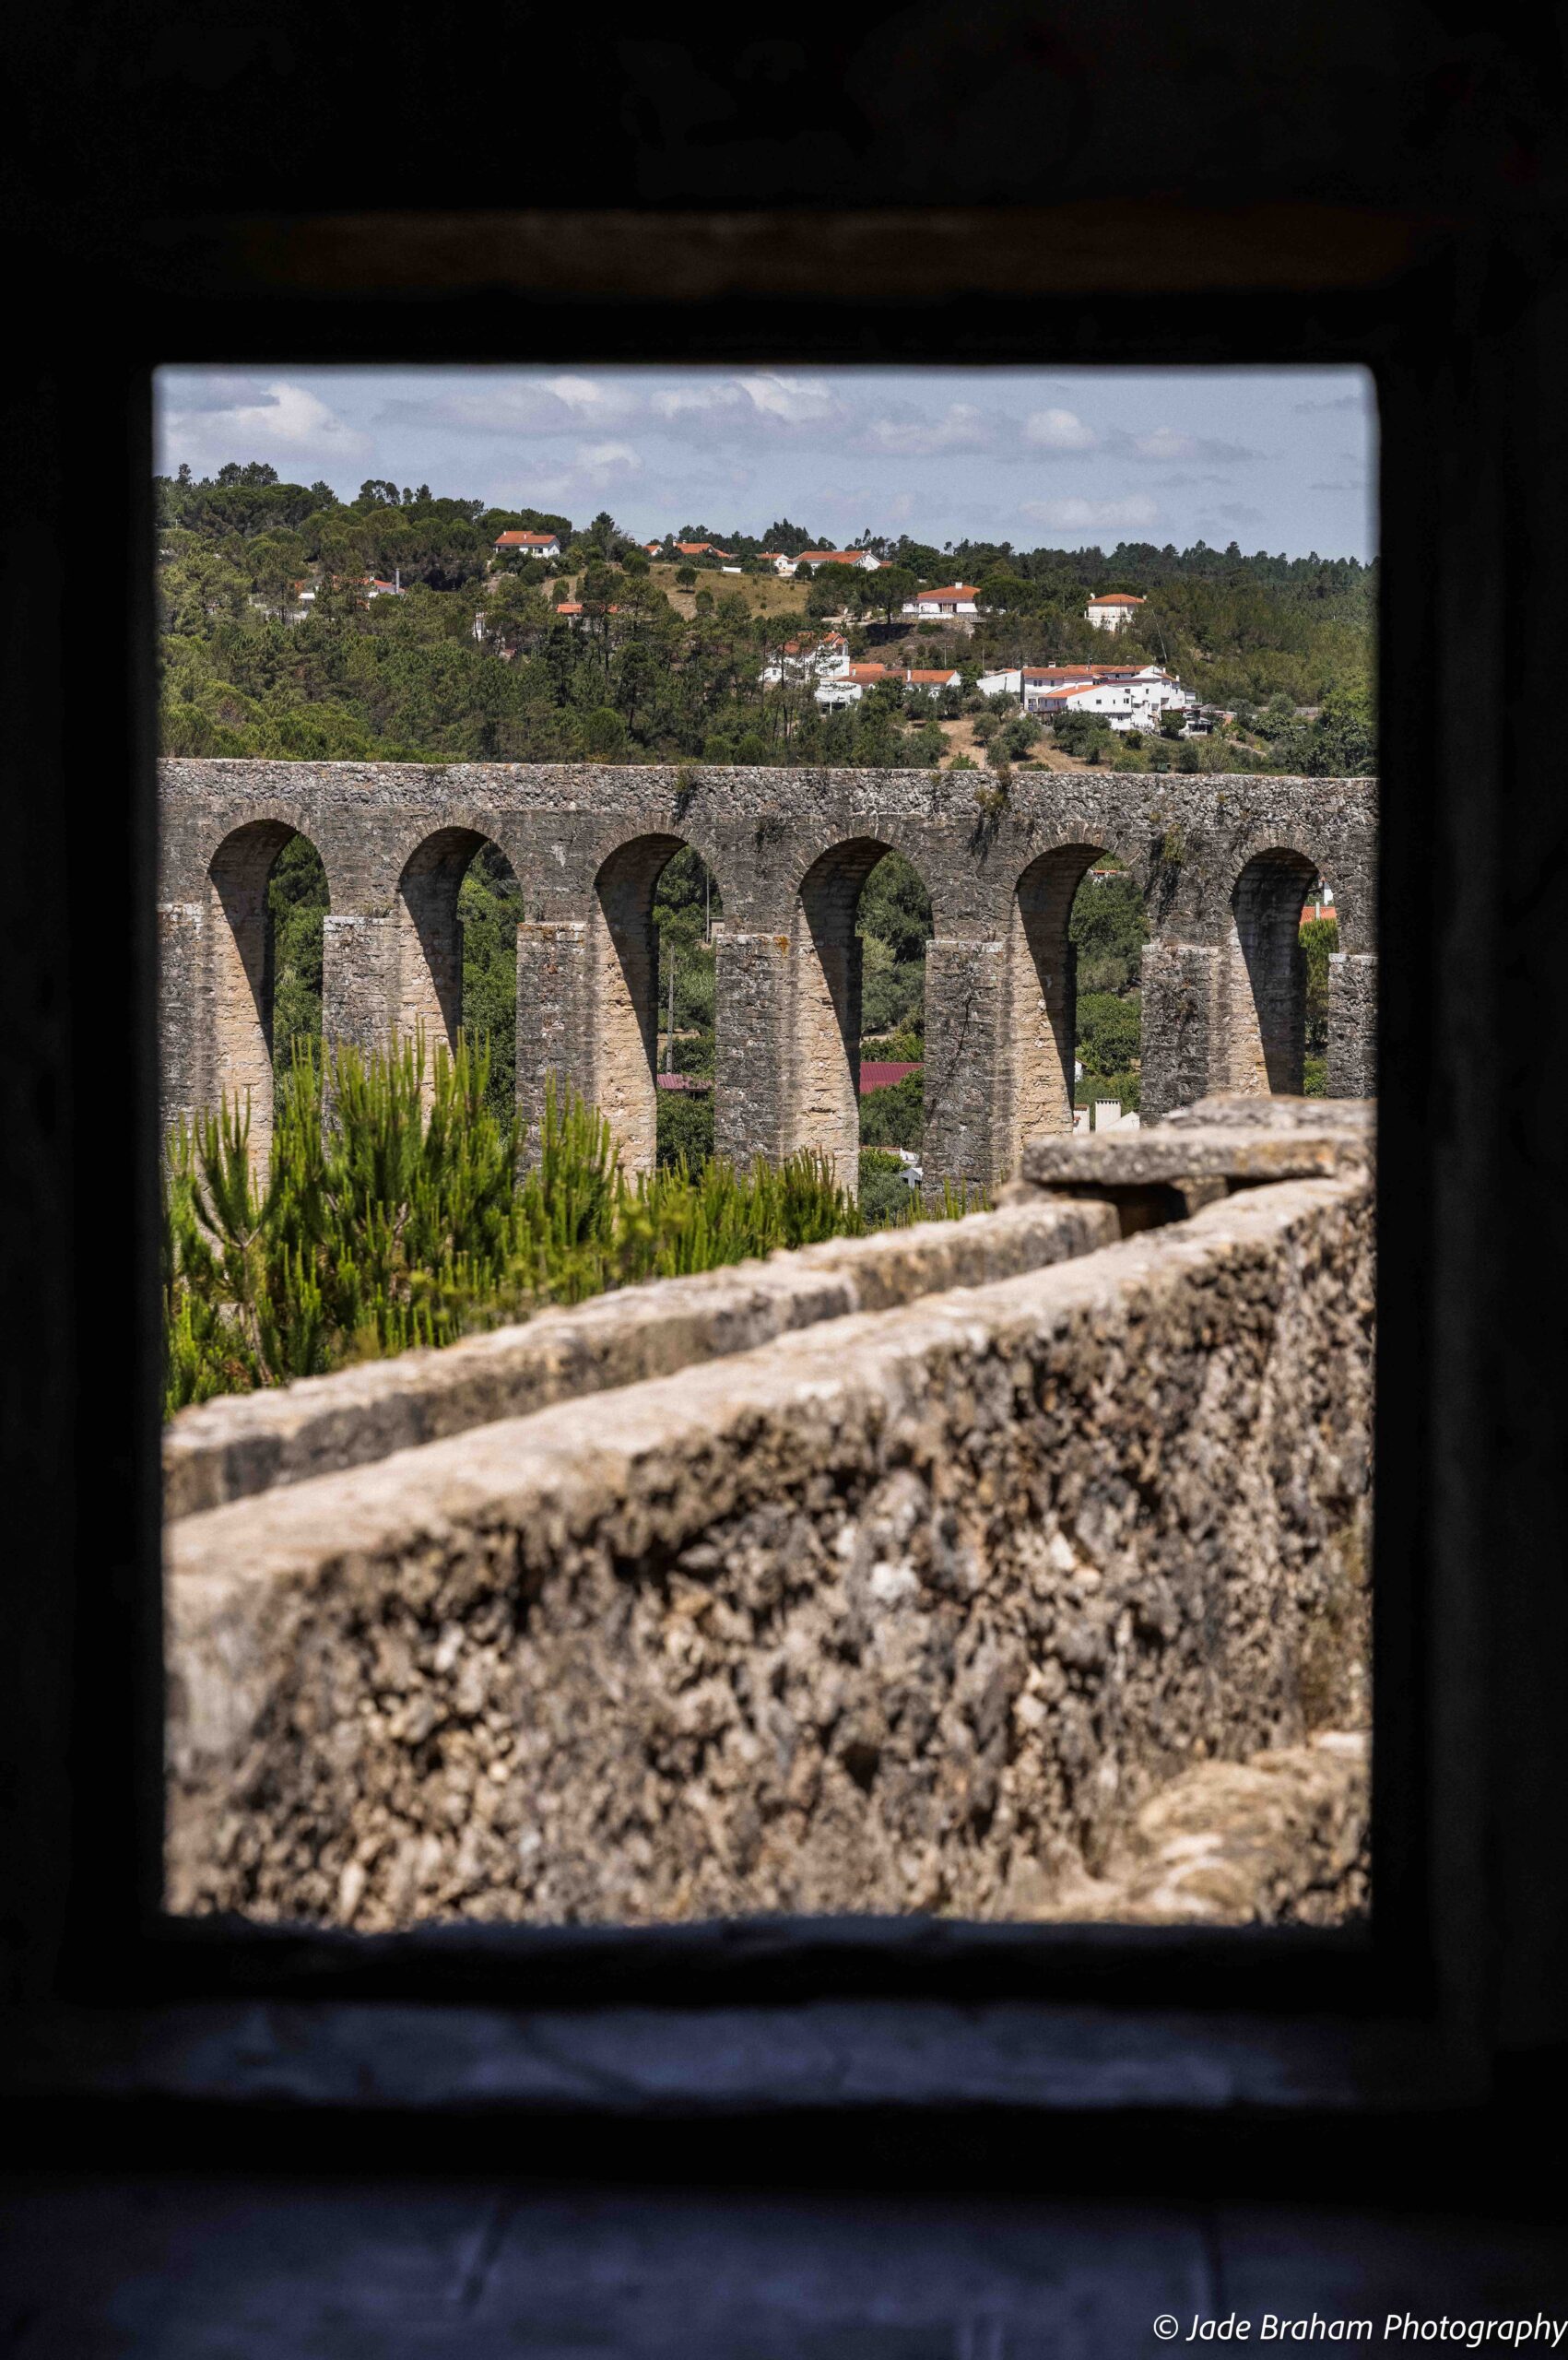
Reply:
x=1222, y=863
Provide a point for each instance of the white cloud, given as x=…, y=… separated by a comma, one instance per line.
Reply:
x=581, y=394
x=1090, y=515
x=247, y=419
x=1058, y=429
x=762, y=395
x=961, y=428
x=561, y=405
x=796, y=401
x=1168, y=443
x=601, y=467
x=684, y=399
x=1165, y=443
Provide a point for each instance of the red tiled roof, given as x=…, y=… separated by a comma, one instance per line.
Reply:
x=1115, y=598
x=944, y=677
x=875, y=1075
x=948, y=590
x=518, y=539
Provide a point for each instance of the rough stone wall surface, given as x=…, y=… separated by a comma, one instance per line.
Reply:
x=243, y=1444
x=914, y=1612
x=1281, y=1840
x=1190, y=843
x=1353, y=1024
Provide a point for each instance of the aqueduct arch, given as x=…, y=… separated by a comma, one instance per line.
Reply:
x=1040, y=1024
x=623, y=988
x=428, y=944
x=232, y=1021
x=1224, y=857
x=1264, y=1012
x=822, y=1041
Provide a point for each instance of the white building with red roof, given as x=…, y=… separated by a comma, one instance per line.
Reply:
x=528, y=544
x=938, y=605
x=849, y=685
x=1111, y=609
x=798, y=659
x=861, y=558
x=1127, y=696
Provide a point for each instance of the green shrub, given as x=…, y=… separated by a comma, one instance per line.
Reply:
x=894, y=1116
x=396, y=1208
x=887, y=1200
x=685, y=1125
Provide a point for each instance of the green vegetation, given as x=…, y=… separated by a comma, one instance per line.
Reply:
x=886, y=1196
x=296, y=901
x=472, y=663
x=1320, y=937
x=390, y=1215
x=894, y=1116
x=1108, y=928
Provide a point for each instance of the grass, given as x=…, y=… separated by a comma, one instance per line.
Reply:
x=765, y=594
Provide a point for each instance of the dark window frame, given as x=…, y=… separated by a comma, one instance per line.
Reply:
x=1390, y=300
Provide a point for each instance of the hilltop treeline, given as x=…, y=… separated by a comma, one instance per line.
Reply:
x=275, y=641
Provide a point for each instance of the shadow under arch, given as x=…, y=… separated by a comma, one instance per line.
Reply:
x=1039, y=1024
x=428, y=991
x=1263, y=985
x=623, y=992
x=823, y=1006
x=239, y=978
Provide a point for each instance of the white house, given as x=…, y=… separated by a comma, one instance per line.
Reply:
x=1139, y=692
x=800, y=660
x=849, y=685
x=1111, y=609
x=935, y=605
x=1126, y=700
x=816, y=558
x=777, y=560
x=530, y=544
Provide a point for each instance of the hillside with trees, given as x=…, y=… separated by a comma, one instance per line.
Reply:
x=275, y=641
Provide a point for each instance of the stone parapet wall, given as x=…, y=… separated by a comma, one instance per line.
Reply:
x=243, y=1444
x=914, y=1611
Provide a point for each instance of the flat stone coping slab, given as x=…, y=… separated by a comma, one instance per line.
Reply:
x=1246, y=1142
x=244, y=1443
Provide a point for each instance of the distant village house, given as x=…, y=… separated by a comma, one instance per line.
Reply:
x=1112, y=610
x=935, y=605
x=529, y=544
x=816, y=558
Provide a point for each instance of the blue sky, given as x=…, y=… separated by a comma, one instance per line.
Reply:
x=1280, y=459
